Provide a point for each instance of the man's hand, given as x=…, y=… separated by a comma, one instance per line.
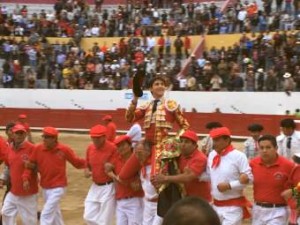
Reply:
x=136, y=185
x=224, y=186
x=2, y=183
x=286, y=194
x=108, y=167
x=117, y=179
x=26, y=185
x=244, y=179
x=29, y=165
x=87, y=173
x=158, y=179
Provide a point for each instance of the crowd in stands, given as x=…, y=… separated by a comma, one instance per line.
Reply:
x=77, y=18
x=263, y=62
x=145, y=43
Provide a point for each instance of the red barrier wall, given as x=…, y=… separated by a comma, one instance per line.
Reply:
x=84, y=119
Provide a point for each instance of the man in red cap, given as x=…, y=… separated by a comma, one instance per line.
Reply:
x=129, y=192
x=99, y=205
x=50, y=159
x=22, y=119
x=228, y=170
x=192, y=163
x=19, y=200
x=270, y=175
x=111, y=128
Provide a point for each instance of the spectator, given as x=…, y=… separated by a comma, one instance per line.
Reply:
x=289, y=141
x=251, y=144
x=207, y=142
x=191, y=210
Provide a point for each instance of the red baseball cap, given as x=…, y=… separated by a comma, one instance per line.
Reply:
x=220, y=131
x=97, y=131
x=122, y=138
x=22, y=116
x=190, y=135
x=19, y=127
x=50, y=131
x=107, y=117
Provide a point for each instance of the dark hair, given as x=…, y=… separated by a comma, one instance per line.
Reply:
x=296, y=159
x=212, y=125
x=288, y=123
x=9, y=126
x=191, y=211
x=155, y=79
x=255, y=127
x=268, y=137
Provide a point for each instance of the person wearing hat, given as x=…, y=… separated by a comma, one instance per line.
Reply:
x=19, y=200
x=270, y=175
x=129, y=193
x=293, y=181
x=260, y=77
x=22, y=119
x=288, y=82
x=229, y=171
x=192, y=163
x=99, y=205
x=289, y=140
x=251, y=144
x=110, y=127
x=158, y=115
x=207, y=142
x=50, y=159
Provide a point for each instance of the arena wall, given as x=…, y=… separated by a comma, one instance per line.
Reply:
x=218, y=41
x=81, y=109
x=210, y=40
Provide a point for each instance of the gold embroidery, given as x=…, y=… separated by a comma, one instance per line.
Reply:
x=171, y=105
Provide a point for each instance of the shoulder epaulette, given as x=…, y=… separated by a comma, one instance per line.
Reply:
x=171, y=105
x=144, y=105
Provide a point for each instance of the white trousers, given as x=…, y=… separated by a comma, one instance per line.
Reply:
x=230, y=215
x=25, y=206
x=150, y=216
x=99, y=205
x=269, y=216
x=51, y=214
x=130, y=211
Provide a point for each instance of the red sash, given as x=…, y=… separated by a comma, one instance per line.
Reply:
x=241, y=202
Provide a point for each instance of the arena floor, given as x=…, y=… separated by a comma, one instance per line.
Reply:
x=73, y=203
